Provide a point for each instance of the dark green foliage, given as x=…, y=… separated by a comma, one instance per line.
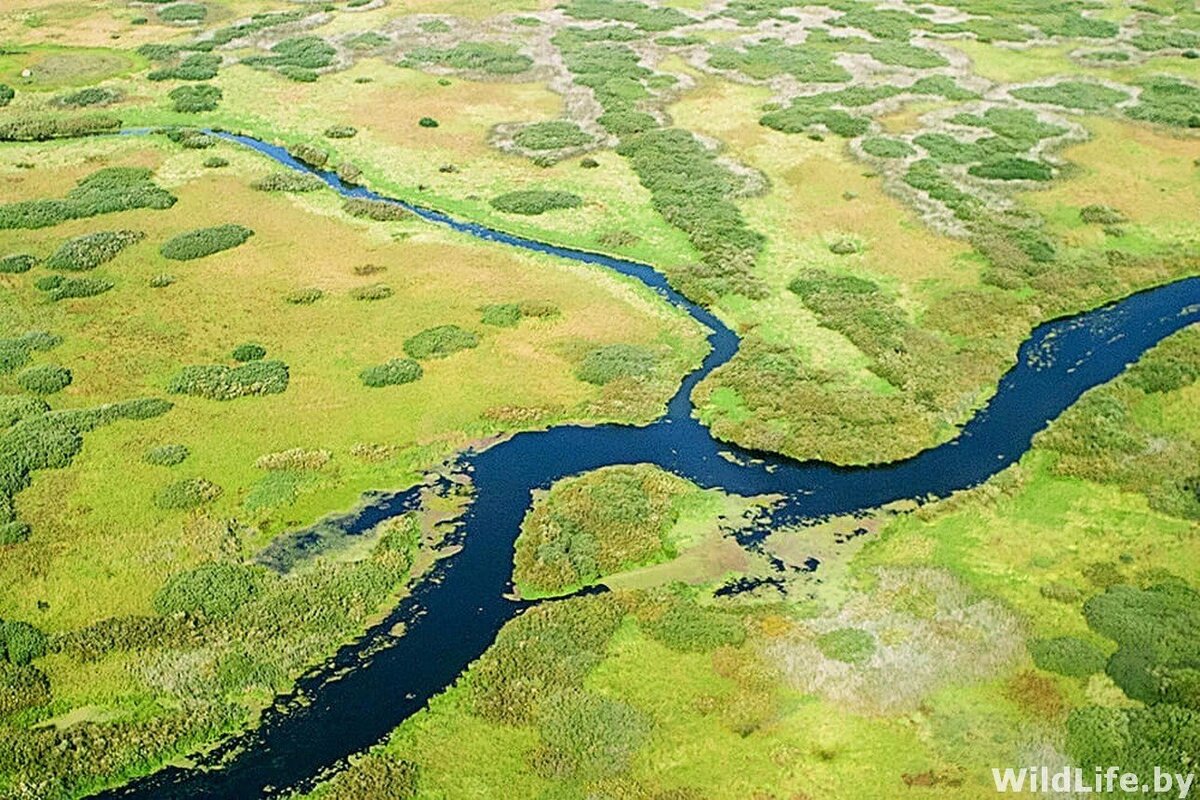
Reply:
x=309, y=154
x=249, y=351
x=586, y=736
x=393, y=372
x=494, y=59
x=1013, y=169
x=440, y=342
x=550, y=648
x=648, y=18
x=376, y=291
x=186, y=494
x=14, y=532
x=427, y=122
x=72, y=288
x=193, y=99
x=616, y=361
x=1168, y=101
x=183, y=12
x=166, y=455
x=42, y=128
x=304, y=297
x=219, y=382
x=16, y=407
x=341, y=132
x=204, y=242
x=1162, y=736
x=535, y=201
x=769, y=57
x=844, y=247
x=298, y=74
x=553, y=135
x=885, y=147
x=288, y=180
x=105, y=191
x=502, y=315
x=6, y=94
x=1067, y=655
x=17, y=263
x=852, y=645
x=297, y=58
x=89, y=251
x=682, y=624
x=375, y=210
x=196, y=67
x=212, y=590
x=14, y=353
x=1072, y=94
x=21, y=642
x=92, y=96
x=1020, y=127
x=44, y=379
x=22, y=687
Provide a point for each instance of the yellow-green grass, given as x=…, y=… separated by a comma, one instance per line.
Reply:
x=1008, y=64
x=54, y=67
x=102, y=547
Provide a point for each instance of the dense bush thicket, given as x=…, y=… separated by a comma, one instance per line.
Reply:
x=885, y=147
x=288, y=180
x=489, y=57
x=1067, y=655
x=249, y=351
x=212, y=590
x=204, y=242
x=91, y=96
x=219, y=382
x=187, y=493
x=1168, y=101
x=535, y=201
x=615, y=361
x=440, y=342
x=166, y=455
x=554, y=135
x=42, y=128
x=83, y=253
x=195, y=67
x=596, y=525
x=391, y=373
x=195, y=99
x=17, y=263
x=105, y=191
x=45, y=379
x=297, y=57
x=375, y=210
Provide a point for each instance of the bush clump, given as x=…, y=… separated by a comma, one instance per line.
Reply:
x=1013, y=169
x=45, y=379
x=554, y=135
x=105, y=191
x=212, y=590
x=183, y=12
x=1168, y=101
x=72, y=288
x=682, y=624
x=298, y=53
x=304, y=297
x=6, y=94
x=20, y=642
x=615, y=361
x=308, y=154
x=166, y=455
x=195, y=99
x=249, y=351
x=204, y=242
x=501, y=315
x=375, y=210
x=216, y=162
x=162, y=281
x=1079, y=95
x=219, y=382
x=288, y=180
x=43, y=128
x=1097, y=214
x=196, y=67
x=494, y=59
x=17, y=263
x=186, y=494
x=535, y=201
x=886, y=147
x=83, y=253
x=427, y=122
x=851, y=645
x=393, y=372
x=377, y=291
x=92, y=96
x=341, y=132
x=14, y=532
x=440, y=342
x=1067, y=655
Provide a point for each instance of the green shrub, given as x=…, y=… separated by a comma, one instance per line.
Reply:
x=219, y=382
x=687, y=627
x=377, y=291
x=43, y=128
x=1072, y=94
x=215, y=162
x=554, y=135
x=1172, y=365
x=204, y=242
x=14, y=532
x=249, y=351
x=288, y=180
x=440, y=342
x=376, y=775
x=645, y=17
x=92, y=96
x=166, y=455
x=501, y=315
x=21, y=642
x=22, y=687
x=851, y=645
x=162, y=281
x=17, y=263
x=48, y=282
x=393, y=372
x=89, y=251
x=1168, y=101
x=45, y=379
x=887, y=147
x=844, y=247
x=427, y=122
x=16, y=407
x=615, y=361
x=6, y=94
x=212, y=590
x=310, y=155
x=535, y=201
x=296, y=54
x=183, y=12
x=494, y=59
x=196, y=67
x=105, y=191
x=186, y=494
x=376, y=210
x=298, y=74
x=71, y=288
x=304, y=297
x=1067, y=655
x=14, y=353
x=1013, y=169
x=341, y=132
x=195, y=99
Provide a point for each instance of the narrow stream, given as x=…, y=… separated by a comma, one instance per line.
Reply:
x=452, y=616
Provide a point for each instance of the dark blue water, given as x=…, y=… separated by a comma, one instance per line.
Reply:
x=372, y=685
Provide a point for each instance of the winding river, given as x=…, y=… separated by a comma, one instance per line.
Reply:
x=372, y=685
